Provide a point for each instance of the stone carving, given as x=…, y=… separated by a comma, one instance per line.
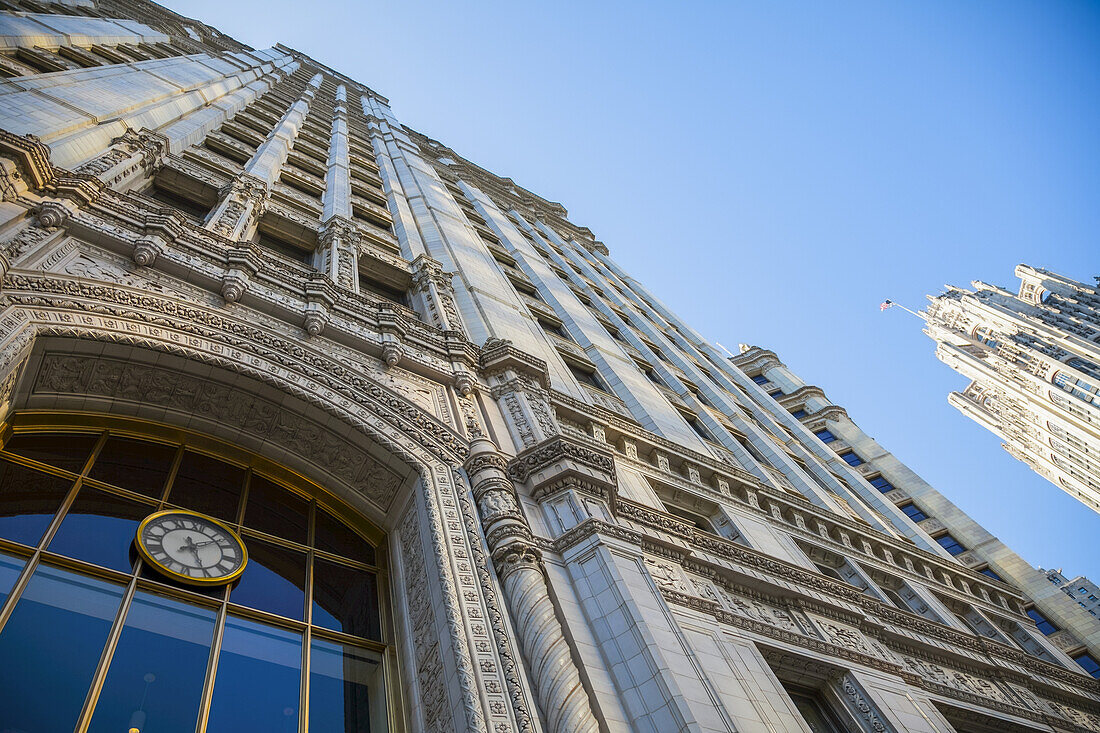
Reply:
x=556, y=449
x=429, y=662
x=104, y=163
x=666, y=576
x=235, y=334
x=862, y=705
x=559, y=691
x=64, y=374
x=25, y=239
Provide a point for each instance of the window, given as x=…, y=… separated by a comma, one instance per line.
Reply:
x=554, y=328
x=158, y=666
x=191, y=209
x=760, y=379
x=697, y=520
x=829, y=571
x=814, y=710
x=1079, y=388
x=699, y=428
x=1082, y=590
x=650, y=374
x=880, y=483
x=825, y=436
x=799, y=414
x=851, y=458
x=913, y=512
x=367, y=284
x=283, y=247
x=950, y=544
x=989, y=573
x=586, y=376
x=1042, y=622
x=1089, y=664
x=775, y=393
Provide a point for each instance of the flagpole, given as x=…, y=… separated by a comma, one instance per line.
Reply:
x=723, y=348
x=911, y=312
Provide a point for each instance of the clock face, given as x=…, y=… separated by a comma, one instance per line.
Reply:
x=191, y=548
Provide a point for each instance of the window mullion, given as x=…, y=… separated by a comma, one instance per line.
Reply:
x=105, y=658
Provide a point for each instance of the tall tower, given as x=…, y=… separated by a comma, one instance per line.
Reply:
x=1033, y=359
x=309, y=423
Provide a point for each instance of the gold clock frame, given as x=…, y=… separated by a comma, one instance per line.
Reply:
x=180, y=577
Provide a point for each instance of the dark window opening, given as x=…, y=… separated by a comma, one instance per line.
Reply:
x=191, y=209
x=880, y=483
x=370, y=285
x=912, y=511
x=586, y=376
x=283, y=247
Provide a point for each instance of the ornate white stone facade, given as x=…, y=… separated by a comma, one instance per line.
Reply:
x=593, y=521
x=1033, y=358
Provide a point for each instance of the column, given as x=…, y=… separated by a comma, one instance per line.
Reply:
x=242, y=203
x=135, y=156
x=86, y=109
x=338, y=255
x=559, y=691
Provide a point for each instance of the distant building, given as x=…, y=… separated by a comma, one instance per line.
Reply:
x=888, y=487
x=1082, y=590
x=1033, y=359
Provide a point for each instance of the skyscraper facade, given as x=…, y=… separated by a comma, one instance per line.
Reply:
x=1083, y=591
x=1033, y=361
x=311, y=424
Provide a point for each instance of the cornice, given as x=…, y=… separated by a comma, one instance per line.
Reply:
x=785, y=581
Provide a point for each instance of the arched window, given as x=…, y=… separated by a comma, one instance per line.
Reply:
x=94, y=637
x=984, y=335
x=1079, y=388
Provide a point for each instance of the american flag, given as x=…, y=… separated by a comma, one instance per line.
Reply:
x=885, y=304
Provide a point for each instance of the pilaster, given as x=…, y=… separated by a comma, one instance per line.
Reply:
x=560, y=693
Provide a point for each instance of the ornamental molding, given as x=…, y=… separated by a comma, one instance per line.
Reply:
x=32, y=158
x=896, y=628
x=499, y=355
x=559, y=449
x=120, y=220
x=763, y=500
x=176, y=325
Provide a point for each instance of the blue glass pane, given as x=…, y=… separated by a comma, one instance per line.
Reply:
x=1089, y=664
x=345, y=599
x=99, y=528
x=339, y=683
x=10, y=567
x=50, y=647
x=274, y=580
x=28, y=501
x=259, y=669
x=157, y=671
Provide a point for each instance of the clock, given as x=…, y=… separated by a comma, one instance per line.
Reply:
x=191, y=548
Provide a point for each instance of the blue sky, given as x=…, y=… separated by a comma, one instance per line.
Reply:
x=774, y=170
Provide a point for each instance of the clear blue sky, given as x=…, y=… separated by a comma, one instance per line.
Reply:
x=774, y=170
